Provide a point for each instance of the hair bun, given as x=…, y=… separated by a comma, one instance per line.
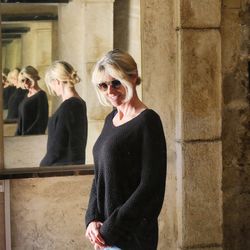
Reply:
x=74, y=78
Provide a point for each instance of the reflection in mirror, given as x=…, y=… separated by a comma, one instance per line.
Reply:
x=29, y=37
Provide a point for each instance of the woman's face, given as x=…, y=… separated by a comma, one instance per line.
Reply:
x=26, y=83
x=113, y=90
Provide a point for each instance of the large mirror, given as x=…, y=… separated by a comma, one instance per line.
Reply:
x=37, y=34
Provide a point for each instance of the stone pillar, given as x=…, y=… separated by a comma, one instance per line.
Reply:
x=83, y=39
x=37, y=48
x=235, y=32
x=13, y=54
x=158, y=51
x=198, y=127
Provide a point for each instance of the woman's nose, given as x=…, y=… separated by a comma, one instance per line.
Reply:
x=110, y=89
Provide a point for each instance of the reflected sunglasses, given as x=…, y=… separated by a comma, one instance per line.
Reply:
x=115, y=84
x=25, y=79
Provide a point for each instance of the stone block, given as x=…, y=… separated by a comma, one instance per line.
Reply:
x=48, y=213
x=199, y=14
x=231, y=40
x=98, y=29
x=2, y=227
x=199, y=85
x=199, y=177
x=232, y=4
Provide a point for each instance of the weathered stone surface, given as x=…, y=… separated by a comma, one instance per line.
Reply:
x=192, y=13
x=158, y=52
x=2, y=221
x=24, y=151
x=230, y=34
x=95, y=126
x=199, y=194
x=48, y=213
x=231, y=4
x=202, y=248
x=236, y=119
x=199, y=85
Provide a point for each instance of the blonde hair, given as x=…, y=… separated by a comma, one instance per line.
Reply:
x=12, y=77
x=119, y=65
x=30, y=73
x=63, y=72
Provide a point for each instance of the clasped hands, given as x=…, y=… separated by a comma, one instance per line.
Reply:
x=94, y=236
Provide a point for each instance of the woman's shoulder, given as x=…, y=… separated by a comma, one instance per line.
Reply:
x=149, y=115
x=111, y=115
x=73, y=104
x=74, y=101
x=42, y=93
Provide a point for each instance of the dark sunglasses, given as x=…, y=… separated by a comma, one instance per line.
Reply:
x=115, y=84
x=25, y=79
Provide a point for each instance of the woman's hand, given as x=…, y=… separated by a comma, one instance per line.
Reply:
x=92, y=233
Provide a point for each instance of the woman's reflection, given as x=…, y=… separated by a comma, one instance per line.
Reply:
x=67, y=128
x=17, y=97
x=33, y=110
x=8, y=89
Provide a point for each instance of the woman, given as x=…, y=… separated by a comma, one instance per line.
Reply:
x=17, y=96
x=67, y=128
x=130, y=162
x=33, y=110
x=8, y=90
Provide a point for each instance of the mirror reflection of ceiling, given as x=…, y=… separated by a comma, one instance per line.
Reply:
x=13, y=14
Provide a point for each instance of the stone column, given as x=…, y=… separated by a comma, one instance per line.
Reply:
x=83, y=38
x=158, y=51
x=198, y=127
x=235, y=32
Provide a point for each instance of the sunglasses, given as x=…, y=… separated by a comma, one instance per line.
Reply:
x=24, y=80
x=115, y=84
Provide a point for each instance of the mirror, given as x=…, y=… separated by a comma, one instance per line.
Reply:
x=29, y=37
x=100, y=27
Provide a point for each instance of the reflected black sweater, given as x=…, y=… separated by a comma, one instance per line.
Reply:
x=67, y=134
x=33, y=115
x=7, y=93
x=129, y=184
x=14, y=101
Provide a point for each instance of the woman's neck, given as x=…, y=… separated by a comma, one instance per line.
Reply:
x=69, y=92
x=130, y=109
x=33, y=91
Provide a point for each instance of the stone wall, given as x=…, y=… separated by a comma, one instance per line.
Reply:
x=236, y=124
x=48, y=213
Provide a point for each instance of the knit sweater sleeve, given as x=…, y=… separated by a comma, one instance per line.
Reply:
x=92, y=211
x=145, y=203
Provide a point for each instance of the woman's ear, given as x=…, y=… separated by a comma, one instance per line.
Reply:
x=134, y=79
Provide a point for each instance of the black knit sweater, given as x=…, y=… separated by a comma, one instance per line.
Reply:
x=14, y=101
x=33, y=115
x=67, y=134
x=7, y=93
x=128, y=189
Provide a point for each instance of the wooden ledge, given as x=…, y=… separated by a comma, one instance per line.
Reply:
x=52, y=171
